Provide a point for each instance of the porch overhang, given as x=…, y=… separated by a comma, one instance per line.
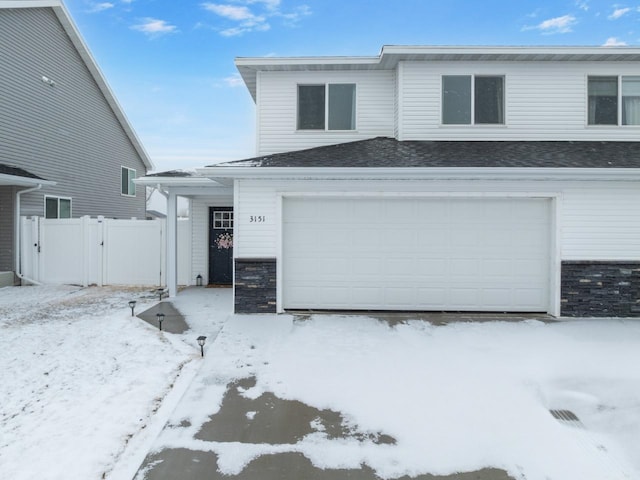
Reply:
x=191, y=186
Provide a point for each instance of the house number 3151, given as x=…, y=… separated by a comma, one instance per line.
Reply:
x=257, y=219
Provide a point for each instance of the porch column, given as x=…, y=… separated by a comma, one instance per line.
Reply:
x=172, y=244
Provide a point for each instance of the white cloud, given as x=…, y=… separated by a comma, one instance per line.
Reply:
x=248, y=21
x=294, y=17
x=555, y=25
x=234, y=80
x=154, y=27
x=619, y=12
x=231, y=12
x=100, y=7
x=614, y=42
x=582, y=5
x=253, y=15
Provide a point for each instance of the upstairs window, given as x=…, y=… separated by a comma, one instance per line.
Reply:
x=472, y=100
x=127, y=177
x=57, y=207
x=327, y=107
x=603, y=100
x=614, y=100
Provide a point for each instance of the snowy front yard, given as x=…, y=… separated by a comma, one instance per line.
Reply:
x=80, y=376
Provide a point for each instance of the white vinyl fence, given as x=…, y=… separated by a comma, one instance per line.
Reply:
x=88, y=251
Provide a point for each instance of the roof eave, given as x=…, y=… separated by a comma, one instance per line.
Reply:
x=18, y=181
x=156, y=180
x=390, y=55
x=220, y=174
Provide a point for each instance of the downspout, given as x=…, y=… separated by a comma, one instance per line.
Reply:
x=17, y=234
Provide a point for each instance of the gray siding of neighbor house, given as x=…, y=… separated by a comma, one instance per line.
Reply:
x=7, y=196
x=67, y=132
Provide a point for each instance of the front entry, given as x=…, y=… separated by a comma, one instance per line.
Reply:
x=220, y=245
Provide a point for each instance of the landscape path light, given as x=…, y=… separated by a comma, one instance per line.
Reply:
x=160, y=292
x=132, y=305
x=199, y=280
x=160, y=317
x=201, y=340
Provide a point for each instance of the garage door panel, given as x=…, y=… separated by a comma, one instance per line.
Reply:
x=496, y=298
x=416, y=254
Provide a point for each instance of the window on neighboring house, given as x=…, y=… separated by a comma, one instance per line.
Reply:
x=327, y=107
x=57, y=207
x=472, y=99
x=614, y=100
x=128, y=187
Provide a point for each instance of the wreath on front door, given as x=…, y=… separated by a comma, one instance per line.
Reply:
x=224, y=241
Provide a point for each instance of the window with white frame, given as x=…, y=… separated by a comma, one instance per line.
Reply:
x=330, y=106
x=57, y=207
x=127, y=177
x=613, y=100
x=472, y=100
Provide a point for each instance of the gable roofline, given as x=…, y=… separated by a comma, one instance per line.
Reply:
x=72, y=32
x=391, y=55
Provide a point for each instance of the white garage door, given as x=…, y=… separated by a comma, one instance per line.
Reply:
x=469, y=254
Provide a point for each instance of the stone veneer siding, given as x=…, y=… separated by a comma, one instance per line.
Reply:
x=255, y=285
x=600, y=289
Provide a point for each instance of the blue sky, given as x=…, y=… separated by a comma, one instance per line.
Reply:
x=170, y=63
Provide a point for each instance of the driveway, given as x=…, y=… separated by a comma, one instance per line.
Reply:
x=353, y=397
x=270, y=420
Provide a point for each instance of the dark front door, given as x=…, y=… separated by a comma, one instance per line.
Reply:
x=220, y=245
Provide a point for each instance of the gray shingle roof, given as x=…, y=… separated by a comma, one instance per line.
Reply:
x=383, y=152
x=17, y=172
x=174, y=173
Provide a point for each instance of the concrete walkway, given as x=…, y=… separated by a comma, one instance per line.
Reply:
x=174, y=321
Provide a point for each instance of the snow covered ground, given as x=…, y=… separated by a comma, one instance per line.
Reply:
x=79, y=377
x=456, y=398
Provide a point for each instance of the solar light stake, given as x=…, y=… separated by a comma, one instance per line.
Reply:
x=201, y=340
x=160, y=292
x=199, y=280
x=132, y=305
x=160, y=319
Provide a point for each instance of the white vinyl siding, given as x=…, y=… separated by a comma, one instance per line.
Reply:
x=543, y=101
x=200, y=239
x=600, y=224
x=276, y=109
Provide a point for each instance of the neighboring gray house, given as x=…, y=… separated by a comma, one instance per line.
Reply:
x=66, y=147
x=501, y=179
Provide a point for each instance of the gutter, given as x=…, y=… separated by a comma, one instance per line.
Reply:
x=419, y=173
x=17, y=235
